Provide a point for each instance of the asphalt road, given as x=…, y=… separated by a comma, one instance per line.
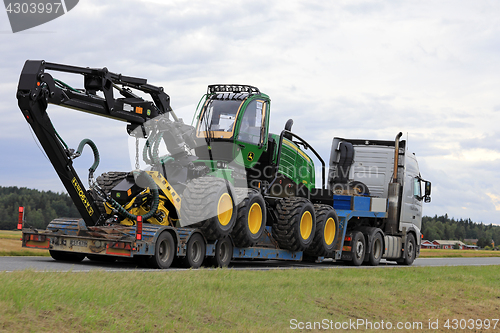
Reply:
x=9, y=264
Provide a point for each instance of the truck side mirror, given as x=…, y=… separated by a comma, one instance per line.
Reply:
x=427, y=196
x=427, y=188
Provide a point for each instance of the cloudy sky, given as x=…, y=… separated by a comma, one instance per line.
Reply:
x=353, y=69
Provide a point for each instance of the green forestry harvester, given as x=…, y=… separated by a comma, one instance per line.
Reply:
x=225, y=189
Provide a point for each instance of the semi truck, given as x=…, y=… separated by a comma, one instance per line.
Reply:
x=227, y=189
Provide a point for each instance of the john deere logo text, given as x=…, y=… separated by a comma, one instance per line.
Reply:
x=26, y=14
x=84, y=199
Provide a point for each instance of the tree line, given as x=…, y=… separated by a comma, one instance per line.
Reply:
x=445, y=228
x=41, y=207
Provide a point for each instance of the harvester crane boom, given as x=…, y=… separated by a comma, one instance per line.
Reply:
x=37, y=89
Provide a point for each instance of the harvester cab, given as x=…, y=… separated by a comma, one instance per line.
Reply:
x=234, y=121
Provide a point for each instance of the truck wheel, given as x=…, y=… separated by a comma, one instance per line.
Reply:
x=377, y=250
x=195, y=252
x=294, y=230
x=223, y=253
x=208, y=204
x=66, y=256
x=410, y=250
x=164, y=252
x=251, y=220
x=327, y=226
x=358, y=248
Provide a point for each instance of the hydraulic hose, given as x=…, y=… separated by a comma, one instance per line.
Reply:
x=156, y=199
x=92, y=145
x=137, y=174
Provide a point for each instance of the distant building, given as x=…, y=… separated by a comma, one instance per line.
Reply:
x=448, y=244
x=428, y=245
x=472, y=241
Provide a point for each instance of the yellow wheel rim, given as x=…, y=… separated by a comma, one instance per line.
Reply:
x=255, y=218
x=306, y=224
x=225, y=209
x=329, y=232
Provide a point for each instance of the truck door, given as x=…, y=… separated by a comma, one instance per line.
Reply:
x=411, y=201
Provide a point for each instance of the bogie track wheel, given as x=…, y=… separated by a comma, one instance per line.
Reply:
x=107, y=181
x=251, y=220
x=296, y=224
x=326, y=236
x=208, y=203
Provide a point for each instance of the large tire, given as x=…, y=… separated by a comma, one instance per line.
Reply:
x=208, y=203
x=376, y=249
x=164, y=252
x=195, y=252
x=251, y=220
x=358, y=250
x=107, y=181
x=66, y=256
x=410, y=251
x=326, y=236
x=294, y=230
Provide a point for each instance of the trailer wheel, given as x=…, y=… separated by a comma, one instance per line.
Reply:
x=377, y=250
x=195, y=252
x=251, y=220
x=296, y=224
x=208, y=203
x=66, y=256
x=223, y=253
x=358, y=248
x=410, y=250
x=164, y=252
x=327, y=226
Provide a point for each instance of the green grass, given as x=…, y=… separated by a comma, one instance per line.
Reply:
x=439, y=253
x=241, y=301
x=10, y=234
x=24, y=253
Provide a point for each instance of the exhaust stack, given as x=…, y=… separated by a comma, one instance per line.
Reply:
x=393, y=209
x=396, y=157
